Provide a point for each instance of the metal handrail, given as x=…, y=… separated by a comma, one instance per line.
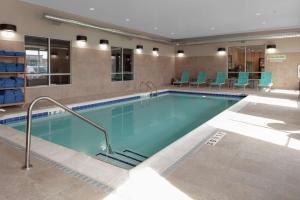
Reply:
x=144, y=83
x=29, y=124
x=150, y=85
x=154, y=86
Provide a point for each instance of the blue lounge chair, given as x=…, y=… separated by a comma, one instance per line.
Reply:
x=243, y=80
x=220, y=80
x=265, y=80
x=201, y=79
x=185, y=76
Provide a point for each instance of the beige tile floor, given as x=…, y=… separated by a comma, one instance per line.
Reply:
x=42, y=182
x=243, y=167
x=259, y=158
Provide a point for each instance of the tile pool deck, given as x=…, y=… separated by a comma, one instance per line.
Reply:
x=258, y=158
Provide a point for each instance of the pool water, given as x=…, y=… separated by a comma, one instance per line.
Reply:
x=137, y=129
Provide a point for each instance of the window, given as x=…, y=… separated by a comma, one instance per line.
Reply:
x=246, y=59
x=122, y=67
x=48, y=61
x=60, y=62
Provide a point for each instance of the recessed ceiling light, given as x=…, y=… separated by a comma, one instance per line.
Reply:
x=127, y=20
x=264, y=22
x=92, y=9
x=212, y=28
x=173, y=33
x=258, y=14
x=155, y=28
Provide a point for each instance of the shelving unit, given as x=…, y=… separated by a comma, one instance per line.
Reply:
x=12, y=72
x=15, y=88
x=14, y=59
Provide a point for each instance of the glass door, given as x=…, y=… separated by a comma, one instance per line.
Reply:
x=236, y=61
x=255, y=58
x=246, y=59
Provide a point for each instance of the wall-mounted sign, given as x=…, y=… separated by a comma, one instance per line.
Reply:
x=298, y=71
x=276, y=57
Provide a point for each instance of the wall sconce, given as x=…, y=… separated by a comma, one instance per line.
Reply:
x=104, y=44
x=271, y=48
x=221, y=51
x=81, y=40
x=139, y=49
x=155, y=51
x=180, y=53
x=54, y=54
x=8, y=30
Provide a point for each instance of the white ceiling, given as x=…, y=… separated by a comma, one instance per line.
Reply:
x=178, y=19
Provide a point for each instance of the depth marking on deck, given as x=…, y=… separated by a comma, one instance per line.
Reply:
x=215, y=138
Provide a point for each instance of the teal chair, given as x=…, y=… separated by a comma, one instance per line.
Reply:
x=243, y=80
x=201, y=79
x=185, y=78
x=220, y=80
x=265, y=80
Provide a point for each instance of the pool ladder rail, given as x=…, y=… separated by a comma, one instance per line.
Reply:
x=150, y=85
x=29, y=125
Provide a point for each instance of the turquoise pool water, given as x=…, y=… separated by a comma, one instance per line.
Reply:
x=143, y=126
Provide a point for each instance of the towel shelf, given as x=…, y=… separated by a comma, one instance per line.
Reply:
x=17, y=58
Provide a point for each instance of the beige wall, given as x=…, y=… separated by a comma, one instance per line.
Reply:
x=285, y=73
x=209, y=64
x=91, y=74
x=90, y=67
x=204, y=57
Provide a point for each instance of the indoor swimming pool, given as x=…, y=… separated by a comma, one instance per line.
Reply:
x=138, y=128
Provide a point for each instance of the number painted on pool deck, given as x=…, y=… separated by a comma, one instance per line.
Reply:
x=215, y=139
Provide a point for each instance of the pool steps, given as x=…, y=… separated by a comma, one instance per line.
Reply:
x=132, y=152
x=127, y=158
x=121, y=154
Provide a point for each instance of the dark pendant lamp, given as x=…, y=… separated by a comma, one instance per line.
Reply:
x=139, y=49
x=104, y=44
x=8, y=30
